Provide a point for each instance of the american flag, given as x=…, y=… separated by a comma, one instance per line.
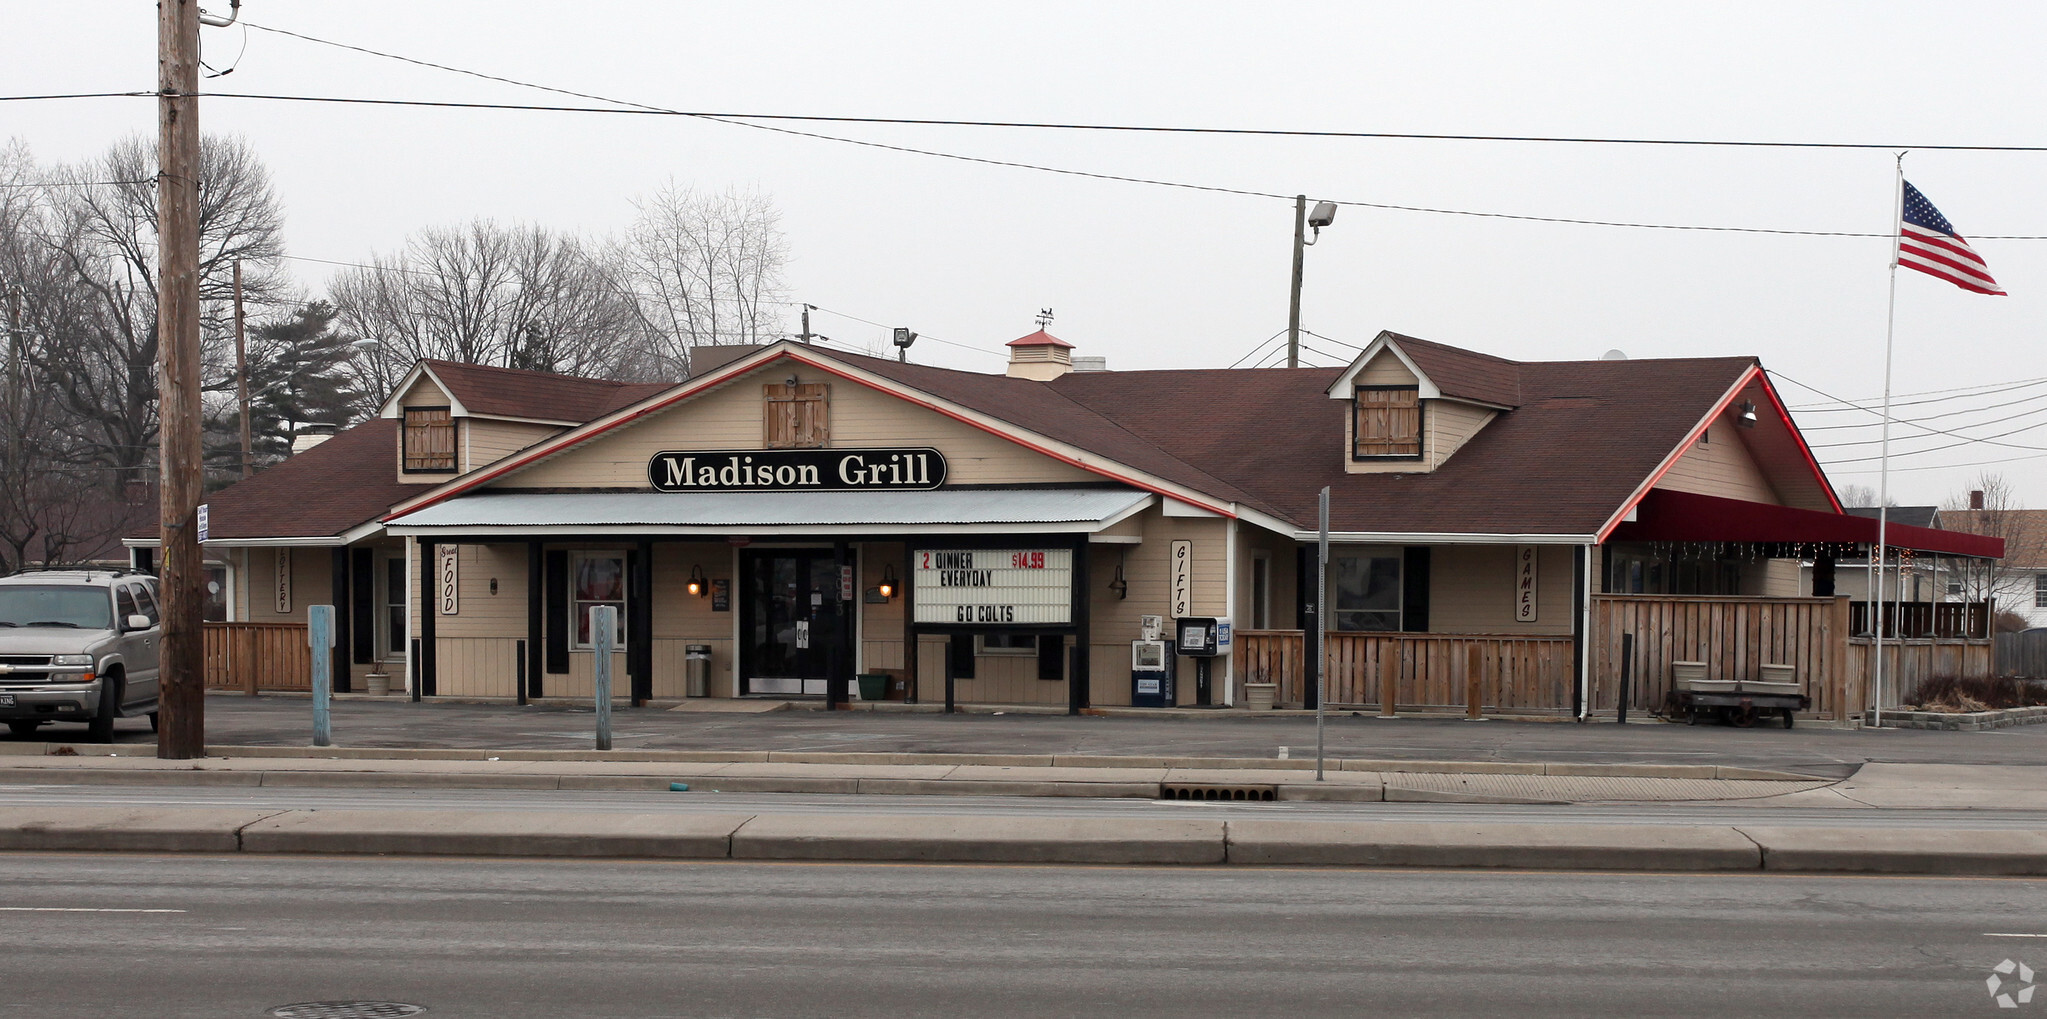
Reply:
x=1928, y=242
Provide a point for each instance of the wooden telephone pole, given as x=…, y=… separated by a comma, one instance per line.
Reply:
x=181, y=705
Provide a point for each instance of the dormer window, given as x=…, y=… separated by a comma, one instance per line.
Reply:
x=1387, y=422
x=429, y=440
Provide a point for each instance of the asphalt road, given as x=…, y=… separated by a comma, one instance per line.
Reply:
x=287, y=721
x=705, y=801
x=239, y=937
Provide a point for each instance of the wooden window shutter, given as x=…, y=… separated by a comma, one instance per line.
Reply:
x=797, y=416
x=1389, y=422
x=429, y=439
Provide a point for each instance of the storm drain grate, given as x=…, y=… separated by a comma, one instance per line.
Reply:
x=1179, y=791
x=346, y=1010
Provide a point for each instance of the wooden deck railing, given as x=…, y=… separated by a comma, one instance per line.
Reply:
x=258, y=656
x=1429, y=670
x=1925, y=619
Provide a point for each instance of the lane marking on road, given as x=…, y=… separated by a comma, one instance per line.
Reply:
x=79, y=909
x=2015, y=935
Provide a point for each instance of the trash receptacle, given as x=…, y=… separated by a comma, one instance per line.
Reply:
x=873, y=687
x=696, y=669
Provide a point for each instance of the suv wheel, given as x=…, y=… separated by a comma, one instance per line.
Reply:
x=101, y=728
x=23, y=726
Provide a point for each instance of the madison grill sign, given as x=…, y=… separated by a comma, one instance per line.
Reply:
x=797, y=470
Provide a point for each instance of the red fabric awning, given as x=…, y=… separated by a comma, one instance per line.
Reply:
x=1664, y=515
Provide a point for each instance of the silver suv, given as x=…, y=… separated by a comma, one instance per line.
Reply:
x=78, y=646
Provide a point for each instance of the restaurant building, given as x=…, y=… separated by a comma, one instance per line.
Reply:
x=802, y=516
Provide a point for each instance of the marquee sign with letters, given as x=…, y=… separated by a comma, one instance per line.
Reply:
x=993, y=586
x=912, y=469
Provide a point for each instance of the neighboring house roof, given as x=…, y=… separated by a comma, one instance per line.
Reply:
x=1910, y=516
x=2024, y=532
x=90, y=530
x=512, y=393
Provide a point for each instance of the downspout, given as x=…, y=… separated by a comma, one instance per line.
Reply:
x=1581, y=626
x=1230, y=607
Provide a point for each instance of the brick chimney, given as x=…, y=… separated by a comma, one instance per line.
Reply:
x=1976, y=499
x=1040, y=356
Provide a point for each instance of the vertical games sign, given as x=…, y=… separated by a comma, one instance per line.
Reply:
x=1524, y=583
x=1183, y=579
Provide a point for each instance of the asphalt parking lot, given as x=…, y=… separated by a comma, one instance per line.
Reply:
x=287, y=721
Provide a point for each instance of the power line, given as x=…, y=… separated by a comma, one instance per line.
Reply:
x=2036, y=398
x=1966, y=392
x=743, y=120
x=1967, y=439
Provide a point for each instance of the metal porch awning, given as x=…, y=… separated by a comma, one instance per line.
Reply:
x=1683, y=516
x=941, y=511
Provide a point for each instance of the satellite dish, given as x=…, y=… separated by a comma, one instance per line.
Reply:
x=1616, y=354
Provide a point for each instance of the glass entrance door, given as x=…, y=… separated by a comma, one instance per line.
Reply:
x=790, y=616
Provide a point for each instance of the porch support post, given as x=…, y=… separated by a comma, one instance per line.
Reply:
x=536, y=581
x=837, y=661
x=1581, y=631
x=639, y=654
x=909, y=595
x=342, y=603
x=1078, y=694
x=429, y=607
x=1309, y=602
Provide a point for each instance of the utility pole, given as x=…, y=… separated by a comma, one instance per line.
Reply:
x=181, y=699
x=1293, y=316
x=242, y=377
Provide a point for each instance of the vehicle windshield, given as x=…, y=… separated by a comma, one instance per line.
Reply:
x=83, y=608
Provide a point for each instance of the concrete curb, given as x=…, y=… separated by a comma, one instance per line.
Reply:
x=979, y=839
x=139, y=751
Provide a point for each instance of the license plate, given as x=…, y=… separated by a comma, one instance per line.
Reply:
x=6, y=700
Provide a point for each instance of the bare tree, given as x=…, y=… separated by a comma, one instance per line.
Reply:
x=513, y=297
x=705, y=269
x=97, y=230
x=1858, y=496
x=2001, y=515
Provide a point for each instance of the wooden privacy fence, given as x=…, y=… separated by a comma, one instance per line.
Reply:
x=2022, y=654
x=1907, y=663
x=1733, y=635
x=258, y=656
x=1428, y=670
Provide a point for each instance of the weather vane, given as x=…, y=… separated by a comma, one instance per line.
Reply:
x=1044, y=317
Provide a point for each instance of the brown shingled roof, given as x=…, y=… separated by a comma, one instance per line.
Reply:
x=541, y=396
x=339, y=484
x=1465, y=374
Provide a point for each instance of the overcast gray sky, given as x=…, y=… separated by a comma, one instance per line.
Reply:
x=1156, y=277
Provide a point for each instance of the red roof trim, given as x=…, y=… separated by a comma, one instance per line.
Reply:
x=732, y=370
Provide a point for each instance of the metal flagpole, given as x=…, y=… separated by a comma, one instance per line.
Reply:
x=1321, y=629
x=1883, y=484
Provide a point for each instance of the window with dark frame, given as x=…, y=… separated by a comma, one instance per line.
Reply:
x=1366, y=593
x=1001, y=643
x=429, y=438
x=1388, y=422
x=596, y=578
x=2039, y=590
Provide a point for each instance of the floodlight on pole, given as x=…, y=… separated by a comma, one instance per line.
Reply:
x=1324, y=214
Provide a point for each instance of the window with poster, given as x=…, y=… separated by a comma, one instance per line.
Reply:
x=595, y=578
x=1367, y=594
x=215, y=608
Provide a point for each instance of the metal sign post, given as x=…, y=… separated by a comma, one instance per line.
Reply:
x=1321, y=628
x=320, y=635
x=603, y=627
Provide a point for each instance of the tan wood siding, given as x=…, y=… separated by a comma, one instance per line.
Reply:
x=1721, y=466
x=485, y=441
x=1385, y=370
x=731, y=418
x=1450, y=425
x=1471, y=590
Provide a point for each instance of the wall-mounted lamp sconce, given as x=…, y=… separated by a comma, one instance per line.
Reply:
x=1747, y=416
x=1119, y=585
x=698, y=587
x=888, y=582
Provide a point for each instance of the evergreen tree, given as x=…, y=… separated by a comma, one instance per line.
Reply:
x=298, y=378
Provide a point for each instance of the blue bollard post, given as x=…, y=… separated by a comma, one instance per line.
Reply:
x=603, y=628
x=320, y=634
